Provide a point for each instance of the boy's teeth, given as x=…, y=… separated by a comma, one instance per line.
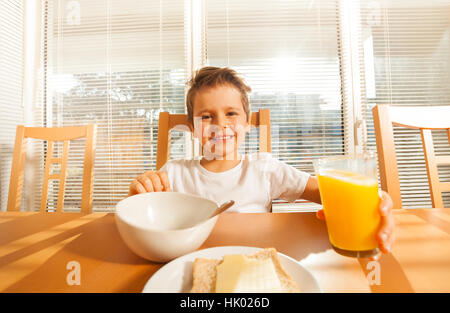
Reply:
x=220, y=138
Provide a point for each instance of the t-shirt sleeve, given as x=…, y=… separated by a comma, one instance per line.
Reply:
x=285, y=181
x=164, y=168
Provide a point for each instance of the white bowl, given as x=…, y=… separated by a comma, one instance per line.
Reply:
x=161, y=226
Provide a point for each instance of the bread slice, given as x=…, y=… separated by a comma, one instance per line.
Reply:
x=205, y=272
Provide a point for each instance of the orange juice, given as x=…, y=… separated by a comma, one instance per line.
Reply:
x=350, y=202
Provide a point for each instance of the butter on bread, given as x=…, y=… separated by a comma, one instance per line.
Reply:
x=205, y=273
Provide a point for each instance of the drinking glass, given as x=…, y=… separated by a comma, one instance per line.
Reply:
x=349, y=192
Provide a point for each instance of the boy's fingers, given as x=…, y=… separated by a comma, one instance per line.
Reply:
x=385, y=239
x=390, y=242
x=385, y=236
x=386, y=225
x=146, y=183
x=132, y=191
x=165, y=180
x=386, y=203
x=386, y=244
x=376, y=257
x=156, y=181
x=136, y=188
x=320, y=215
x=384, y=248
x=140, y=188
x=386, y=231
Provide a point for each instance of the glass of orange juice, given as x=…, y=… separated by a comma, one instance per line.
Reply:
x=349, y=192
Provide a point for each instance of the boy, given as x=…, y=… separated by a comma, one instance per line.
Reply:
x=219, y=113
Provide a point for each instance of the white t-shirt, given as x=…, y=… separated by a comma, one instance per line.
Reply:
x=252, y=184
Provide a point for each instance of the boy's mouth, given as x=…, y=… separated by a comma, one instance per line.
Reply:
x=222, y=138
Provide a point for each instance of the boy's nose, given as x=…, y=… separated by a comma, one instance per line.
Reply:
x=221, y=131
x=222, y=123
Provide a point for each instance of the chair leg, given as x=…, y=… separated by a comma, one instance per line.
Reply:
x=17, y=170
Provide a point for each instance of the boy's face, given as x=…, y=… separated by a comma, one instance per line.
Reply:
x=220, y=113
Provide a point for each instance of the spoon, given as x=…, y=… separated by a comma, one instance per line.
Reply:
x=222, y=208
x=219, y=210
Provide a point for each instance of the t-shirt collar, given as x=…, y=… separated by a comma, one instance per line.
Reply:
x=225, y=173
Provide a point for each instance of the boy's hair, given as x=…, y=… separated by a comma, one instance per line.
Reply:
x=210, y=76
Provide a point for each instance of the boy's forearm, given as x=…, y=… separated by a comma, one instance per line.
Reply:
x=312, y=192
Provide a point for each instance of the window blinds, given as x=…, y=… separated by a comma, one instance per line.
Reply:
x=11, y=71
x=288, y=52
x=117, y=64
x=405, y=54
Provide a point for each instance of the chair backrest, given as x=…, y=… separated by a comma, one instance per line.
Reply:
x=169, y=121
x=51, y=135
x=425, y=119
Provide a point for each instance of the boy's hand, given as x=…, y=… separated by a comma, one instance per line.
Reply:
x=385, y=235
x=150, y=181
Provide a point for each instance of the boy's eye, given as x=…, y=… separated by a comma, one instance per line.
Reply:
x=204, y=117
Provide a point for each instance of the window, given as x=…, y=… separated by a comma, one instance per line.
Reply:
x=116, y=64
x=11, y=65
x=319, y=66
x=405, y=49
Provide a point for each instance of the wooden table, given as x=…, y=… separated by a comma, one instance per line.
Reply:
x=37, y=251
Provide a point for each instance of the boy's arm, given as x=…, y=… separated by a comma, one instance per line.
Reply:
x=311, y=192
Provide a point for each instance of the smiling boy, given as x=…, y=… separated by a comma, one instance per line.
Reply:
x=219, y=113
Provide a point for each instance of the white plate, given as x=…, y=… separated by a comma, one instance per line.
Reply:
x=176, y=276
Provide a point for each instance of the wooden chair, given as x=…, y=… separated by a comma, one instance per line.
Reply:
x=424, y=119
x=51, y=135
x=169, y=121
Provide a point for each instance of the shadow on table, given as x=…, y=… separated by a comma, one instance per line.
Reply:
x=100, y=240
x=30, y=223
x=97, y=238
x=42, y=265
